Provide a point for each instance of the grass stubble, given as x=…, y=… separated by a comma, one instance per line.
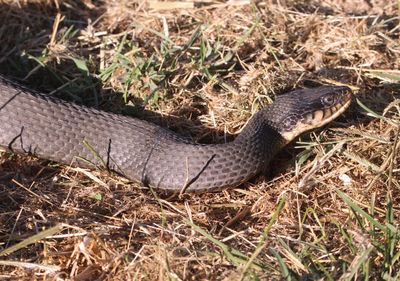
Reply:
x=328, y=211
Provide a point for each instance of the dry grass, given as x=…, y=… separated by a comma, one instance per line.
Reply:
x=328, y=211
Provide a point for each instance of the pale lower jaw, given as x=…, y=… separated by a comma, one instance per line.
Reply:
x=289, y=136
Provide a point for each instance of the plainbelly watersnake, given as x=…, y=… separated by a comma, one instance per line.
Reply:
x=50, y=128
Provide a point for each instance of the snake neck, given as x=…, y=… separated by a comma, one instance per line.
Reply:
x=262, y=129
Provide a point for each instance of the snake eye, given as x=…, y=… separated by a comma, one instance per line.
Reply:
x=328, y=100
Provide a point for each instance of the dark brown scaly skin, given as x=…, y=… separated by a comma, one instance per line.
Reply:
x=53, y=129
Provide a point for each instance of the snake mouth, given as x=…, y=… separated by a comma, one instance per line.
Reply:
x=319, y=117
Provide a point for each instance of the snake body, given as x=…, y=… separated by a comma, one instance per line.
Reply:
x=50, y=128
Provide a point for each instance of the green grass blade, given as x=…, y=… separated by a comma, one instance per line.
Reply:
x=261, y=244
x=286, y=275
x=364, y=214
x=33, y=239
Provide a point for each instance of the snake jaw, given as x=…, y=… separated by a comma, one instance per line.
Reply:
x=318, y=117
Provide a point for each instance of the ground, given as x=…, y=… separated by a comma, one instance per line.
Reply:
x=328, y=209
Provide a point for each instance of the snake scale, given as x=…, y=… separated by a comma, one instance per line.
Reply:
x=50, y=128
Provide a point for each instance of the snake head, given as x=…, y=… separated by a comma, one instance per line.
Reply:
x=303, y=110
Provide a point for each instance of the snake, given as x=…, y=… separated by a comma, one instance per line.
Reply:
x=47, y=127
